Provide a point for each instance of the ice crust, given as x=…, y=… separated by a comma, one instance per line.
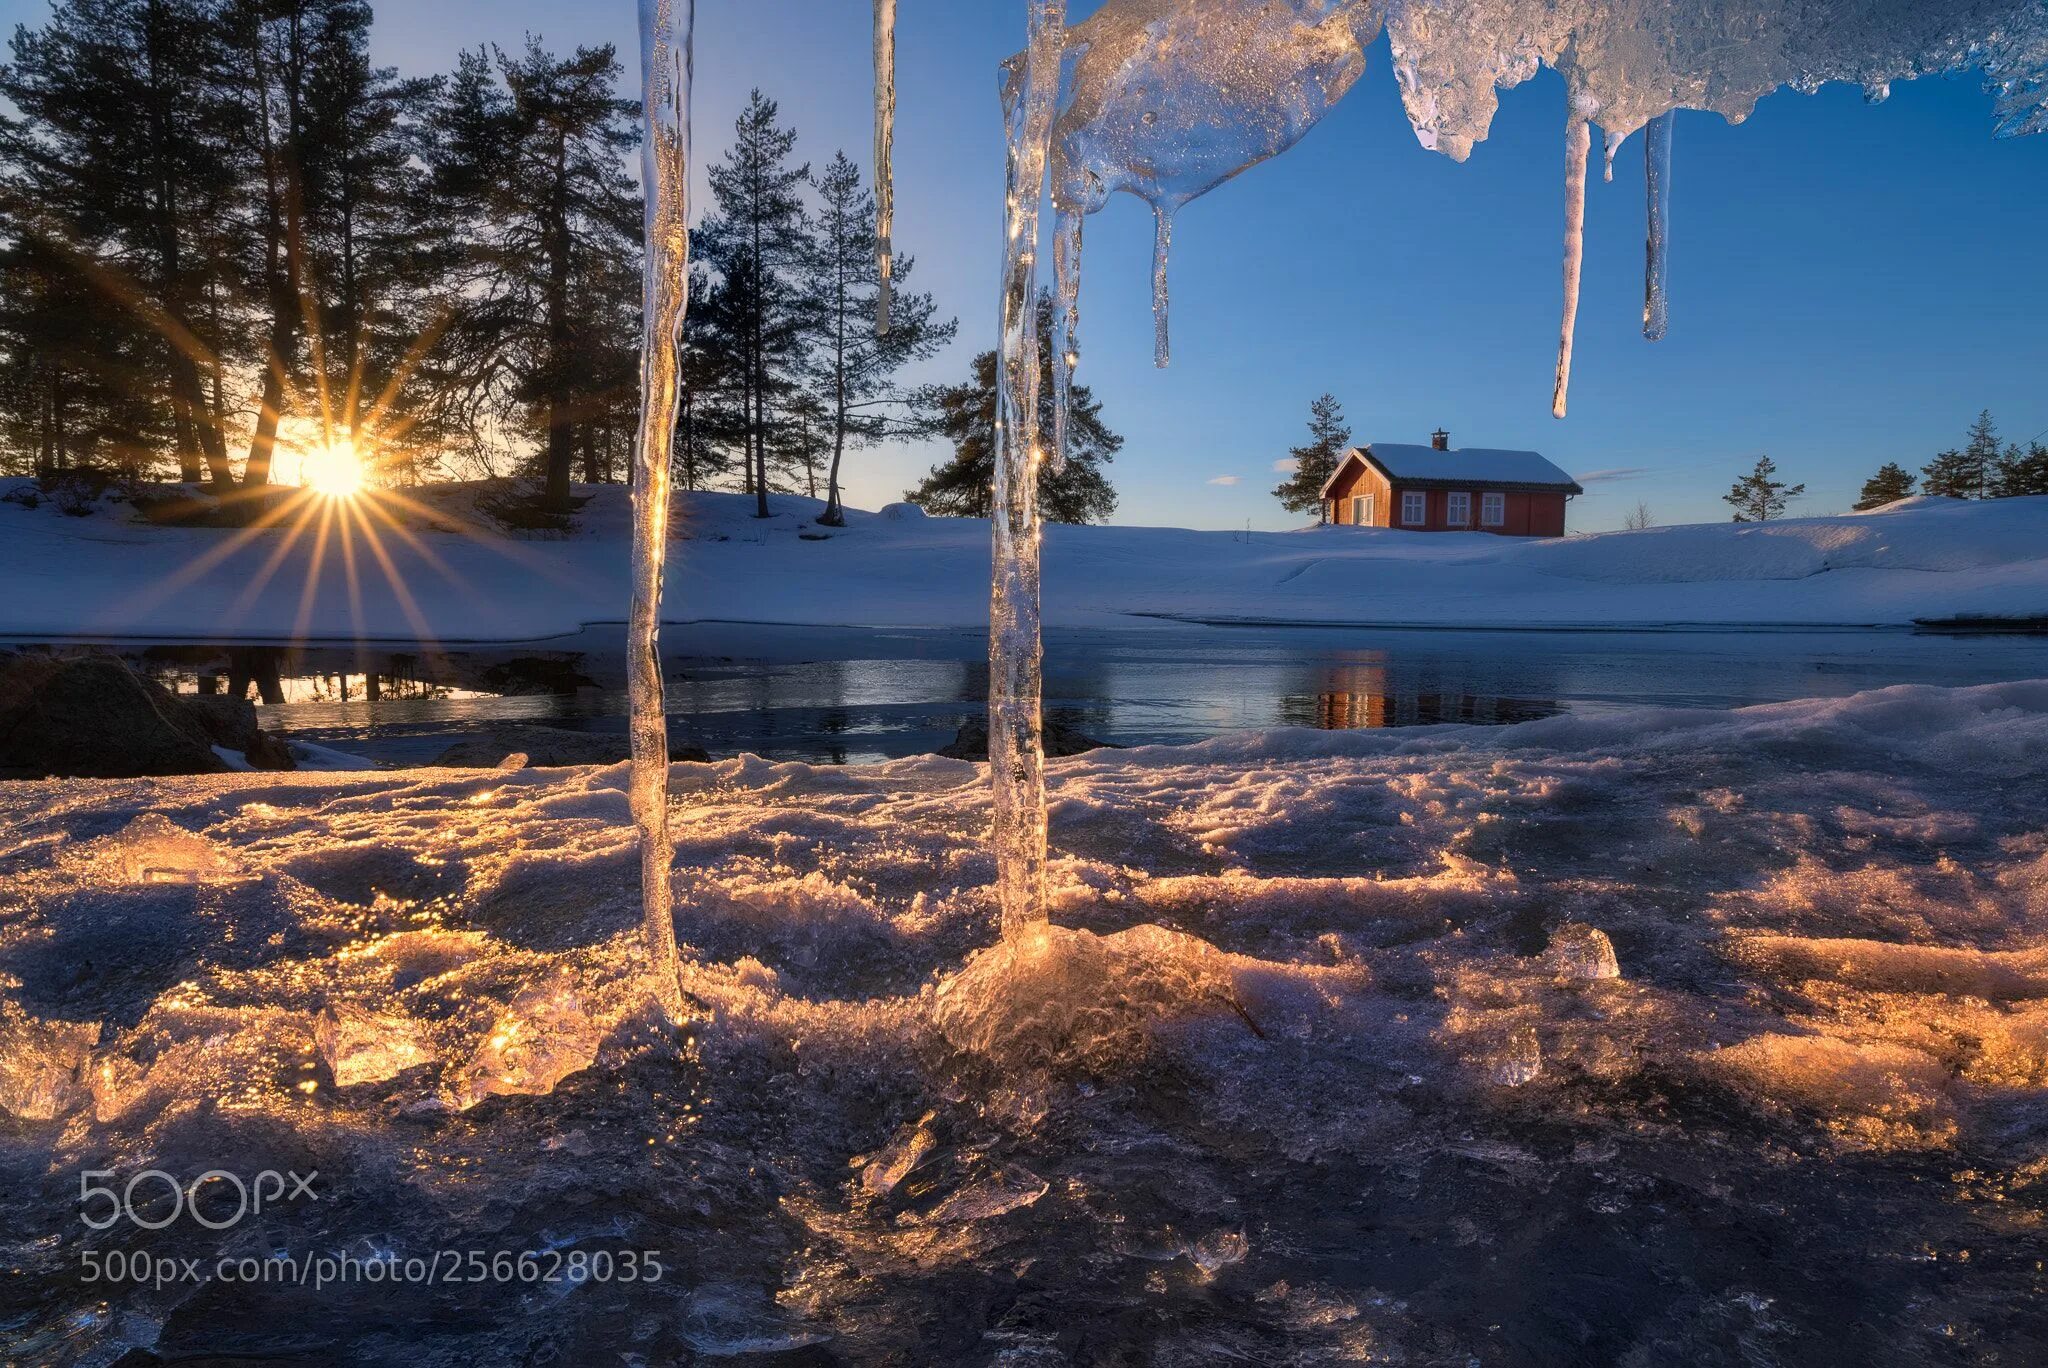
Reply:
x=1291, y=973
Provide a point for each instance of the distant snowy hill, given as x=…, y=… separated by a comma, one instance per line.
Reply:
x=431, y=571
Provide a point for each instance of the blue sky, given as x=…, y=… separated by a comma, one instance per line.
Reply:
x=1851, y=283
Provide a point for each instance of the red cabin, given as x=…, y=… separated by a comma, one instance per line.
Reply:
x=1437, y=489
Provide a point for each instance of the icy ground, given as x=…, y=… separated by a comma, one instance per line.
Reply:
x=1673, y=1037
x=107, y=575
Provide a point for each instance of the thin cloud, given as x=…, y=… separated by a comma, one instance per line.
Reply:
x=1619, y=473
x=1286, y=467
x=1224, y=480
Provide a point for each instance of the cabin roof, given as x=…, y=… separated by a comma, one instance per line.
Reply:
x=1421, y=467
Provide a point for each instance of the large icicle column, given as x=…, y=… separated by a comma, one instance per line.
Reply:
x=1657, y=266
x=885, y=158
x=1016, y=748
x=666, y=31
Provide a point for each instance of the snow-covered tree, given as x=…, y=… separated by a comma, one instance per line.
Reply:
x=1760, y=495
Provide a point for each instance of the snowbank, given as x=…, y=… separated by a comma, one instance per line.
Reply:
x=106, y=575
x=1629, y=1039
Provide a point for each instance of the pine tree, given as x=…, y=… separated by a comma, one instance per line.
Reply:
x=853, y=368
x=1891, y=483
x=757, y=243
x=966, y=415
x=123, y=149
x=529, y=155
x=2021, y=474
x=1760, y=495
x=1966, y=474
x=1314, y=464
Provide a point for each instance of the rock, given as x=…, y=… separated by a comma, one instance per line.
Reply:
x=550, y=748
x=231, y=722
x=95, y=719
x=1060, y=739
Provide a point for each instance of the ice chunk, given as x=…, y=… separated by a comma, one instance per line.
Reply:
x=541, y=1039
x=1582, y=952
x=42, y=1064
x=1063, y=998
x=361, y=1046
x=896, y=1160
x=154, y=849
x=1009, y=1189
x=1517, y=1058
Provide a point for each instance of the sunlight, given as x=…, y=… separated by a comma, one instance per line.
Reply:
x=334, y=471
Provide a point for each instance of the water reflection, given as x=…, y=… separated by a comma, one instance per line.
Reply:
x=847, y=695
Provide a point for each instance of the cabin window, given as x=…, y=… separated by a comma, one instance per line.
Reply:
x=1414, y=508
x=1493, y=510
x=1458, y=509
x=1358, y=514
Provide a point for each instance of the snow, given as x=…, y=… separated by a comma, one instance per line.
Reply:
x=1423, y=1015
x=106, y=576
x=1467, y=465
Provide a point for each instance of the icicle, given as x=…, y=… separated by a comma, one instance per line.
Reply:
x=1015, y=734
x=1657, y=275
x=885, y=157
x=1162, y=247
x=667, y=28
x=1578, y=146
x=1066, y=325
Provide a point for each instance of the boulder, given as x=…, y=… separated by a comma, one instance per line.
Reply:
x=94, y=718
x=231, y=722
x=1060, y=739
x=549, y=748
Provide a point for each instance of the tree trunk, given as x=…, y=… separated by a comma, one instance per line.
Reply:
x=561, y=452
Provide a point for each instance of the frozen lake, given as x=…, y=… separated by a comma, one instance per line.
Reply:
x=850, y=696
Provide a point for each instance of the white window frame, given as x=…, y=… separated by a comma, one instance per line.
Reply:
x=1372, y=509
x=1493, y=509
x=1414, y=508
x=1458, y=508
x=1358, y=510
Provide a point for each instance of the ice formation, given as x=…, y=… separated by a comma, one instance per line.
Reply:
x=362, y=1046
x=542, y=1038
x=1582, y=952
x=1835, y=921
x=667, y=29
x=1016, y=739
x=885, y=156
x=1657, y=268
x=1168, y=99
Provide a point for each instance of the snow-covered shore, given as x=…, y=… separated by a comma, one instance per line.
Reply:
x=1392, y=1110
x=105, y=575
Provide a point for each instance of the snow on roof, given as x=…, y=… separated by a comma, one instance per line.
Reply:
x=1465, y=466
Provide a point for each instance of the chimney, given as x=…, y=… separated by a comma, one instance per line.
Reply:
x=1440, y=440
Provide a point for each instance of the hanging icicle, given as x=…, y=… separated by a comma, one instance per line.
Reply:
x=1578, y=147
x=1162, y=248
x=667, y=29
x=1657, y=273
x=885, y=158
x=1066, y=325
x=1016, y=748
